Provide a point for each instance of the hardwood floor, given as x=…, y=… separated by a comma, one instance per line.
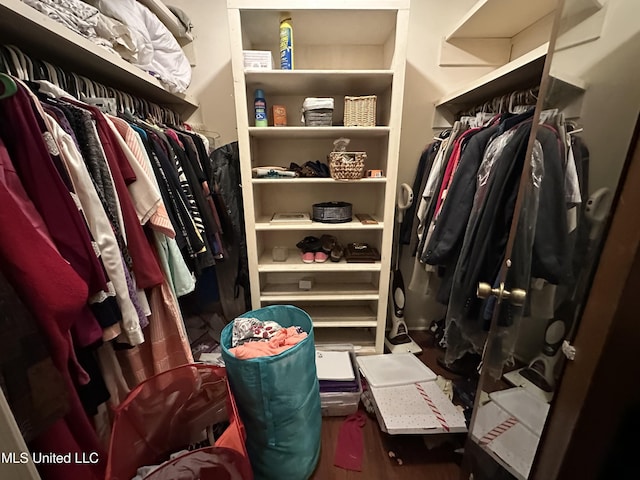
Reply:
x=419, y=463
x=438, y=464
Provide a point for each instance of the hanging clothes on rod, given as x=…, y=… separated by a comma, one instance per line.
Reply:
x=467, y=206
x=118, y=212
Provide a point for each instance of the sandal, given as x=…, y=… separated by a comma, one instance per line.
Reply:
x=328, y=242
x=336, y=252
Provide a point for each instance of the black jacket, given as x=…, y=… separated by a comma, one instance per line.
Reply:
x=488, y=230
x=448, y=233
x=550, y=258
x=224, y=168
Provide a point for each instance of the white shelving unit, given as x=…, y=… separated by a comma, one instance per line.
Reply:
x=501, y=18
x=497, y=32
x=263, y=223
x=44, y=38
x=524, y=72
x=318, y=132
x=521, y=71
x=355, y=49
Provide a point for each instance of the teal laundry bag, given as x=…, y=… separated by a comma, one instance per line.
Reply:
x=278, y=398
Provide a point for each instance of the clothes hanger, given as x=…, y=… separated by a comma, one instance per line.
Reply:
x=53, y=75
x=4, y=63
x=18, y=71
x=28, y=63
x=20, y=61
x=91, y=88
x=8, y=86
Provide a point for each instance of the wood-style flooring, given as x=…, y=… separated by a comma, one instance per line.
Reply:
x=419, y=463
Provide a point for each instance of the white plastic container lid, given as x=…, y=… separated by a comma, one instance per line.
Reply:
x=313, y=103
x=394, y=369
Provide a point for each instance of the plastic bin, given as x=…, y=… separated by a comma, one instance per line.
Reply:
x=337, y=404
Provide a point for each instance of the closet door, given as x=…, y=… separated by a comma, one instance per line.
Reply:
x=528, y=404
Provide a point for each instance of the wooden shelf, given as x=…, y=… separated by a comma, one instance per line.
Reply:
x=501, y=18
x=295, y=264
x=362, y=339
x=263, y=224
x=317, y=132
x=523, y=72
x=318, y=23
x=315, y=5
x=320, y=292
x=328, y=316
x=321, y=82
x=44, y=38
x=167, y=17
x=296, y=180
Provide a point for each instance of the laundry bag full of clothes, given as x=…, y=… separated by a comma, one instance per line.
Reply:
x=277, y=394
x=182, y=423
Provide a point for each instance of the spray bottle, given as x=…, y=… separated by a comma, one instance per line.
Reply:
x=260, y=107
x=286, y=41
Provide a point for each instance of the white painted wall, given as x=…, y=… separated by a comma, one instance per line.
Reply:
x=425, y=83
x=212, y=82
x=610, y=69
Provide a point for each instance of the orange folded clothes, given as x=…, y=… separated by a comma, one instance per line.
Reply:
x=283, y=340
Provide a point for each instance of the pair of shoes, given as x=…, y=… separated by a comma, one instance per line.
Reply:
x=311, y=169
x=312, y=249
x=328, y=242
x=337, y=252
x=309, y=244
x=317, y=257
x=331, y=246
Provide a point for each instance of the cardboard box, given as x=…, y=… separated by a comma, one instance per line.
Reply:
x=257, y=60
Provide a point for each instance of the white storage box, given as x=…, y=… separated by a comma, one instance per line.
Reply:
x=336, y=404
x=317, y=112
x=257, y=60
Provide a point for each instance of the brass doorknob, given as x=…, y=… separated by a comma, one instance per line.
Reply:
x=516, y=297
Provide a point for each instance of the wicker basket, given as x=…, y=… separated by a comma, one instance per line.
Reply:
x=360, y=111
x=347, y=165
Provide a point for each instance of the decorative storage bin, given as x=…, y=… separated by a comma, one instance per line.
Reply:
x=317, y=112
x=360, y=111
x=347, y=165
x=332, y=212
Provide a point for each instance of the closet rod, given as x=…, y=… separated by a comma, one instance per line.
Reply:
x=506, y=102
x=15, y=62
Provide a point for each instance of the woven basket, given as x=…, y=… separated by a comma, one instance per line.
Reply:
x=347, y=165
x=360, y=111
